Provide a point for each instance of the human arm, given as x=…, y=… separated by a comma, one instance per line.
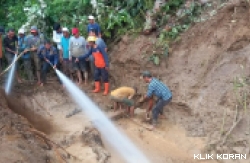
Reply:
x=24, y=47
x=56, y=39
x=86, y=55
x=56, y=57
x=105, y=46
x=39, y=52
x=5, y=45
x=99, y=30
x=61, y=50
x=70, y=49
x=84, y=46
x=88, y=29
x=149, y=94
x=105, y=56
x=131, y=94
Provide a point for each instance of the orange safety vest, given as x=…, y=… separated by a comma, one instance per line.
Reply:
x=99, y=59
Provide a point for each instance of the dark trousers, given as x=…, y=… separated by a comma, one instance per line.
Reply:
x=158, y=108
x=45, y=69
x=28, y=69
x=101, y=73
x=92, y=66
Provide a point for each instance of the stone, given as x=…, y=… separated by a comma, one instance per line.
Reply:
x=244, y=161
x=238, y=150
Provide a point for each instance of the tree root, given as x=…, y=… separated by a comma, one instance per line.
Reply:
x=51, y=143
x=235, y=123
x=92, y=137
x=230, y=130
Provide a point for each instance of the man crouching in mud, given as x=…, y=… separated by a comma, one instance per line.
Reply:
x=161, y=91
x=124, y=96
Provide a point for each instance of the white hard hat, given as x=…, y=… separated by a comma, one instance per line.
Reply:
x=65, y=29
x=91, y=17
x=21, y=31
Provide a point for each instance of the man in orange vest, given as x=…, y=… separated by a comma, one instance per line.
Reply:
x=101, y=64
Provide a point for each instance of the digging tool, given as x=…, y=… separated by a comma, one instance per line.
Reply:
x=18, y=57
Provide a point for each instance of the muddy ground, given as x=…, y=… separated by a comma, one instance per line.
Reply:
x=168, y=144
x=204, y=115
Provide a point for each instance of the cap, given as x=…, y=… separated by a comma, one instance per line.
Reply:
x=91, y=17
x=65, y=29
x=146, y=74
x=21, y=31
x=33, y=29
x=91, y=39
x=75, y=31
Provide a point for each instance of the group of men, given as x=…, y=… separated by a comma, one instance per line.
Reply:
x=74, y=53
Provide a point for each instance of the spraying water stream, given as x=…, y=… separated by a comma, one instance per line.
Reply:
x=115, y=138
x=10, y=77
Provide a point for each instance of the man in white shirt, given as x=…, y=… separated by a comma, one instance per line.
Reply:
x=57, y=35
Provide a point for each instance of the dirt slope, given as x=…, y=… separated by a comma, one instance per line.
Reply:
x=200, y=71
x=20, y=141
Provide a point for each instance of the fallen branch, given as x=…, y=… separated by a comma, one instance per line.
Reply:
x=42, y=135
x=223, y=122
x=92, y=137
x=230, y=130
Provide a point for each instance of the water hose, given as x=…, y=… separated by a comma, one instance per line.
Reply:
x=18, y=57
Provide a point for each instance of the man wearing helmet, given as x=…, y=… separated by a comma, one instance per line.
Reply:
x=101, y=63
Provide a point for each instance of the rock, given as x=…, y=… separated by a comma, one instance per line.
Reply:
x=247, y=150
x=228, y=161
x=238, y=150
x=244, y=161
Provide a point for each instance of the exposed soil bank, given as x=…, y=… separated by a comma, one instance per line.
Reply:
x=200, y=70
x=20, y=141
x=167, y=144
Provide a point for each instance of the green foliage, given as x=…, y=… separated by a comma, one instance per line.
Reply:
x=171, y=6
x=69, y=13
x=115, y=17
x=133, y=7
x=10, y=12
x=183, y=18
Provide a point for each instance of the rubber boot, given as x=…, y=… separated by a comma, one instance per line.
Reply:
x=106, y=89
x=97, y=87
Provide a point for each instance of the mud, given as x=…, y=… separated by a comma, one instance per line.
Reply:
x=20, y=141
x=200, y=70
x=38, y=121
